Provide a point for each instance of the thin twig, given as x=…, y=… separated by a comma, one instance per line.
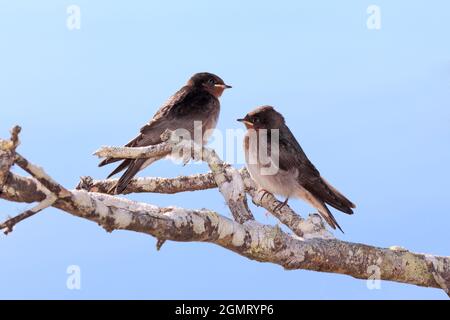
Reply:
x=134, y=152
x=51, y=189
x=9, y=224
x=39, y=174
x=7, y=151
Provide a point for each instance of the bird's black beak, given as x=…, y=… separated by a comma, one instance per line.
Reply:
x=223, y=86
x=245, y=121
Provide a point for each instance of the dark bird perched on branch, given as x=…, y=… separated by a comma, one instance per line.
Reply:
x=294, y=175
x=198, y=101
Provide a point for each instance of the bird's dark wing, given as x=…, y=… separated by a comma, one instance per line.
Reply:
x=291, y=154
x=162, y=119
x=151, y=132
x=180, y=111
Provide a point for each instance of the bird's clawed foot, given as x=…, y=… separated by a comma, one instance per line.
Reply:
x=264, y=193
x=281, y=205
x=278, y=206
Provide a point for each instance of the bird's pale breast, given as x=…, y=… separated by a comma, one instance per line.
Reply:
x=281, y=182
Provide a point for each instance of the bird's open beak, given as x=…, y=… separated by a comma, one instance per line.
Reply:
x=223, y=86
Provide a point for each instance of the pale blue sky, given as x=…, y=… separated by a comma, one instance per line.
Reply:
x=371, y=109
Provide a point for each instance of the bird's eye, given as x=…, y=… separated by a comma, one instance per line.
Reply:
x=212, y=81
x=256, y=120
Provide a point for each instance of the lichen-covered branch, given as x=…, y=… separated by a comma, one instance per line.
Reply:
x=227, y=178
x=311, y=228
x=301, y=227
x=51, y=189
x=195, y=182
x=40, y=175
x=135, y=152
x=7, y=151
x=9, y=224
x=250, y=239
x=233, y=185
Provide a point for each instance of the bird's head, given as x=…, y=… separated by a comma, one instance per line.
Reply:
x=209, y=82
x=265, y=117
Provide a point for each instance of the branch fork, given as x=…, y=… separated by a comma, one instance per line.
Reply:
x=232, y=184
x=51, y=189
x=311, y=247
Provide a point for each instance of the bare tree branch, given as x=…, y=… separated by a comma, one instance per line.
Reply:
x=153, y=184
x=303, y=228
x=135, y=152
x=250, y=239
x=7, y=150
x=49, y=187
x=9, y=224
x=227, y=178
x=311, y=228
x=40, y=175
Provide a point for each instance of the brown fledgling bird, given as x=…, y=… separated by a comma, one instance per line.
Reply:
x=198, y=100
x=295, y=176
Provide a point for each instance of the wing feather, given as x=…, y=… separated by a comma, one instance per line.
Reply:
x=308, y=176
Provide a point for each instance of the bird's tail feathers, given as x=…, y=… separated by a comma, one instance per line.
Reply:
x=337, y=200
x=108, y=161
x=120, y=168
x=321, y=208
x=329, y=218
x=132, y=143
x=133, y=168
